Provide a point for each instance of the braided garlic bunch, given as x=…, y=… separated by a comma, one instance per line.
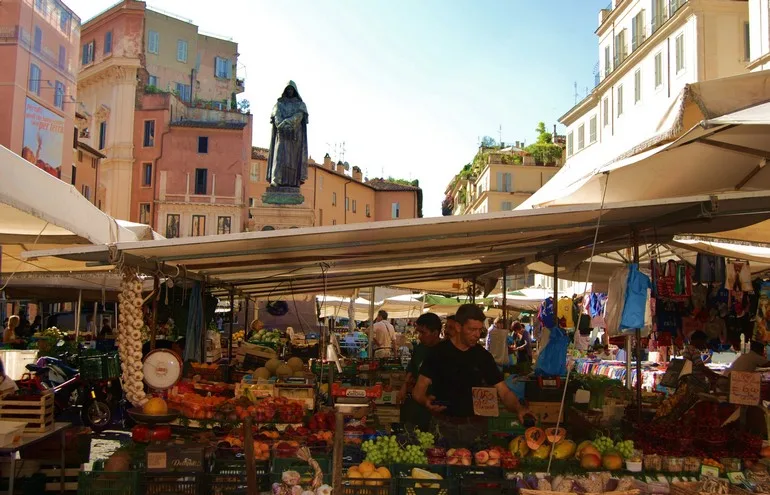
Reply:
x=130, y=323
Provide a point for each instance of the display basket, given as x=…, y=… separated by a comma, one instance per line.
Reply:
x=313, y=472
x=527, y=491
x=366, y=486
x=103, y=483
x=690, y=488
x=480, y=485
x=101, y=366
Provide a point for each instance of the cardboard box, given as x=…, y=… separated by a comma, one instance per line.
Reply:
x=172, y=456
x=257, y=354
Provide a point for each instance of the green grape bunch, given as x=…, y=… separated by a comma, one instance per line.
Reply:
x=603, y=444
x=625, y=448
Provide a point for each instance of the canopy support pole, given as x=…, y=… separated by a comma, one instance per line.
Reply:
x=230, y=334
x=78, y=310
x=555, y=282
x=505, y=297
x=371, y=323
x=638, y=344
x=473, y=291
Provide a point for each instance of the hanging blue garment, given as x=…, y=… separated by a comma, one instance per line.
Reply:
x=635, y=305
x=547, y=313
x=552, y=360
x=192, y=345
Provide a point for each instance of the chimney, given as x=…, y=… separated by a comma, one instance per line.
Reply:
x=328, y=162
x=340, y=168
x=357, y=175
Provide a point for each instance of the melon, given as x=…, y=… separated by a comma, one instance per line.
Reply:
x=535, y=438
x=518, y=446
x=272, y=365
x=284, y=371
x=296, y=363
x=262, y=373
x=542, y=452
x=564, y=449
x=555, y=435
x=299, y=374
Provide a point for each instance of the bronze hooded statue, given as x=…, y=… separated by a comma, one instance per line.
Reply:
x=287, y=160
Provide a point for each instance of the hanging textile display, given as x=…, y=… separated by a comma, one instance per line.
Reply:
x=546, y=313
x=635, y=305
x=739, y=276
x=762, y=324
x=710, y=269
x=674, y=281
x=565, y=310
x=616, y=296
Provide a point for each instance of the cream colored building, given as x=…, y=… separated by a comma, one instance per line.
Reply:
x=759, y=35
x=648, y=51
x=505, y=181
x=127, y=52
x=332, y=197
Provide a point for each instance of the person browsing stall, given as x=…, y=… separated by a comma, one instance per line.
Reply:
x=450, y=328
x=752, y=360
x=497, y=342
x=452, y=369
x=428, y=328
x=384, y=336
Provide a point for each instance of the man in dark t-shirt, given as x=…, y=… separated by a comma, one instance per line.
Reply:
x=451, y=370
x=414, y=415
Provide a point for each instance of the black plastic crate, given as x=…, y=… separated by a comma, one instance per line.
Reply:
x=544, y=389
x=475, y=485
x=229, y=476
x=406, y=485
x=171, y=484
x=367, y=487
x=103, y=483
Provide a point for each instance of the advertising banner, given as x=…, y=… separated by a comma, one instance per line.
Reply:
x=43, y=138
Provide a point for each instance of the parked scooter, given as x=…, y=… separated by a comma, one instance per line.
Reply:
x=97, y=400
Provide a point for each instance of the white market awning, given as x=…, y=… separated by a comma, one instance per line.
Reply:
x=322, y=260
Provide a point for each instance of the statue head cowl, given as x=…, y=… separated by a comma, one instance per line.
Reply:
x=291, y=85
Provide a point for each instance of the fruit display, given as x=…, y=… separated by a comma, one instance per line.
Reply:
x=423, y=474
x=129, y=341
x=155, y=407
x=386, y=450
x=459, y=457
x=366, y=473
x=239, y=336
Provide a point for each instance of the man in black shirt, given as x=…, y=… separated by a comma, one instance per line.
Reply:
x=453, y=368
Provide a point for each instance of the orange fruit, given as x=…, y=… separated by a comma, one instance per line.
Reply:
x=383, y=472
x=366, y=468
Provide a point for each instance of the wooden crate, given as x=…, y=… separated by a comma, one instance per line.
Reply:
x=53, y=479
x=37, y=413
x=546, y=412
x=303, y=393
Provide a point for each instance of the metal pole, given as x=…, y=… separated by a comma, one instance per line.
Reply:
x=77, y=320
x=473, y=292
x=638, y=345
x=230, y=336
x=505, y=297
x=371, y=323
x=555, y=282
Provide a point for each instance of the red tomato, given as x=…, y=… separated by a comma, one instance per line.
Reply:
x=140, y=433
x=161, y=433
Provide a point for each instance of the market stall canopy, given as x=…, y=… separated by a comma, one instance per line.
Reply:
x=39, y=211
x=64, y=286
x=729, y=123
x=324, y=259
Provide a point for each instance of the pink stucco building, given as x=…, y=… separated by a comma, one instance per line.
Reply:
x=39, y=42
x=158, y=101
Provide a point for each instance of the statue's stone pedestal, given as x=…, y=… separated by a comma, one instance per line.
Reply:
x=276, y=195
x=278, y=217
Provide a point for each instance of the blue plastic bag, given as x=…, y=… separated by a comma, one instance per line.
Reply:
x=517, y=385
x=636, y=299
x=552, y=360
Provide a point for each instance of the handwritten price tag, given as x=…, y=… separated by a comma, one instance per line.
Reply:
x=485, y=402
x=745, y=388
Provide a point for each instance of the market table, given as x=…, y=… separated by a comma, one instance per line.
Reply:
x=32, y=438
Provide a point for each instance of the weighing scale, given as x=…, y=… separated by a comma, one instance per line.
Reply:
x=162, y=370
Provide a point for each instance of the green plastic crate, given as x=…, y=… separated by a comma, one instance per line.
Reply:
x=103, y=483
x=406, y=485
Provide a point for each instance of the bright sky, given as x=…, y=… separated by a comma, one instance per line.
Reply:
x=409, y=86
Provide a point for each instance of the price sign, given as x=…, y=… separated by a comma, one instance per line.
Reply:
x=745, y=388
x=485, y=402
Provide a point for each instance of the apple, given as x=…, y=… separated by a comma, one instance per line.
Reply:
x=493, y=454
x=482, y=457
x=590, y=461
x=465, y=461
x=464, y=453
x=453, y=460
x=450, y=452
x=493, y=462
